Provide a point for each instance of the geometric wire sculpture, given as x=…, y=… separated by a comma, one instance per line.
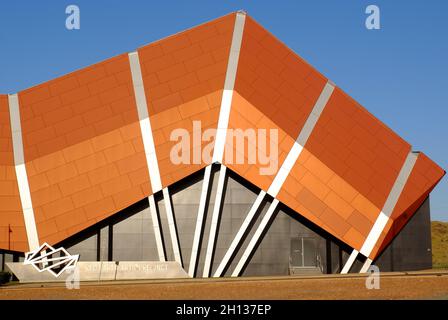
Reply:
x=47, y=258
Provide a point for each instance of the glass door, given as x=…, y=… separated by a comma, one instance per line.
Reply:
x=303, y=252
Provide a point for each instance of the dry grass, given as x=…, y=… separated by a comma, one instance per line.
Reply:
x=439, y=233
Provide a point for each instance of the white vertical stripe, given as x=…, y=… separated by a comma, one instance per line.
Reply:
x=390, y=204
x=221, y=133
x=253, y=242
x=238, y=237
x=349, y=263
x=229, y=84
x=278, y=181
x=145, y=124
x=366, y=266
x=214, y=222
x=22, y=176
x=156, y=227
x=151, y=159
x=384, y=216
x=301, y=140
x=199, y=221
x=172, y=226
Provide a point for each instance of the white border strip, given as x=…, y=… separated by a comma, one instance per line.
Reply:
x=350, y=261
x=172, y=226
x=238, y=237
x=199, y=222
x=253, y=242
x=148, y=144
x=301, y=140
x=389, y=206
x=214, y=222
x=366, y=266
x=156, y=227
x=145, y=124
x=229, y=84
x=384, y=216
x=22, y=176
x=221, y=133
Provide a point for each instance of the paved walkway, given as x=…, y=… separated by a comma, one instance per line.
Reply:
x=412, y=285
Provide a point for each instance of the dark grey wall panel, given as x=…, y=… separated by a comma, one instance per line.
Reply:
x=411, y=248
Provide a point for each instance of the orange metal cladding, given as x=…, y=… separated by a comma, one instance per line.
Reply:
x=421, y=182
x=11, y=216
x=184, y=77
x=274, y=89
x=345, y=180
x=83, y=147
x=85, y=157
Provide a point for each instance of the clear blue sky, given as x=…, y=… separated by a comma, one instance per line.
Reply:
x=399, y=73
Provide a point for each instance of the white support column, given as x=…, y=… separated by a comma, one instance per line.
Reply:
x=199, y=222
x=148, y=144
x=366, y=266
x=21, y=174
x=350, y=261
x=229, y=84
x=239, y=236
x=280, y=178
x=301, y=140
x=214, y=222
x=156, y=227
x=172, y=225
x=145, y=124
x=221, y=132
x=388, y=208
x=256, y=237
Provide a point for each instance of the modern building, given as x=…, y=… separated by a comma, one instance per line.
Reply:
x=91, y=161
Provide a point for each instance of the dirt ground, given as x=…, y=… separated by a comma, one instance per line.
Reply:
x=432, y=285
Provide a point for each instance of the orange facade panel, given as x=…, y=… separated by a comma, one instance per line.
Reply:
x=276, y=80
x=183, y=77
x=77, y=107
x=358, y=147
x=181, y=146
x=318, y=193
x=80, y=185
x=83, y=148
x=255, y=146
x=423, y=178
x=186, y=66
x=12, y=226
